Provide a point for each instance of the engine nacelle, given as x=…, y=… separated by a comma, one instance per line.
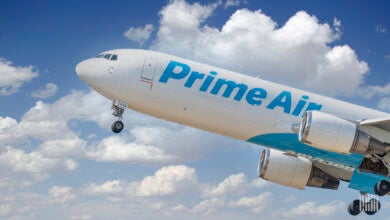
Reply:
x=293, y=171
x=328, y=132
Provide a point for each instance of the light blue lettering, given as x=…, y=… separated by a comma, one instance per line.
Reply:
x=283, y=100
x=255, y=95
x=209, y=79
x=300, y=105
x=230, y=86
x=193, y=77
x=172, y=71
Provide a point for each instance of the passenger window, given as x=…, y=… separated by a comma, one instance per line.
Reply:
x=114, y=57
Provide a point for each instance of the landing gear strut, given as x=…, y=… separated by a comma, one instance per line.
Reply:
x=367, y=203
x=118, y=107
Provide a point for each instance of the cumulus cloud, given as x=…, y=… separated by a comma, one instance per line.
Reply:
x=13, y=77
x=296, y=53
x=47, y=92
x=381, y=92
x=19, y=168
x=256, y=203
x=233, y=184
x=116, y=148
x=139, y=34
x=311, y=209
x=61, y=194
x=167, y=181
x=208, y=206
x=157, y=145
x=21, y=205
x=108, y=188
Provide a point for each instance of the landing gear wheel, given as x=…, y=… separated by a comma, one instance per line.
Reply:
x=355, y=207
x=117, y=127
x=382, y=188
x=119, y=107
x=372, y=206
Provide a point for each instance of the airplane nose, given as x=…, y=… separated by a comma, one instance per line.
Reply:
x=82, y=69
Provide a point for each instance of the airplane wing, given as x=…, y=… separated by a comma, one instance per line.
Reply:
x=379, y=128
x=382, y=123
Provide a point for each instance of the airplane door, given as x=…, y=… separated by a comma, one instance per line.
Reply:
x=148, y=69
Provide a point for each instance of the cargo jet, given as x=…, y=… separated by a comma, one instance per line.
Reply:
x=310, y=140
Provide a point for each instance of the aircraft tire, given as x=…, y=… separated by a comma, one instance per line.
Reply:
x=372, y=206
x=382, y=188
x=117, y=127
x=355, y=207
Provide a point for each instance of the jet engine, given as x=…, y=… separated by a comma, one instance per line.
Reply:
x=293, y=171
x=328, y=132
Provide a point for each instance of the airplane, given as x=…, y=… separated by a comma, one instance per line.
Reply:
x=310, y=140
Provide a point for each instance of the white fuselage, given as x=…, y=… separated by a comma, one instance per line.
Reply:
x=207, y=97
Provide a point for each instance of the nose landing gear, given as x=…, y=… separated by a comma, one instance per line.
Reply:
x=118, y=107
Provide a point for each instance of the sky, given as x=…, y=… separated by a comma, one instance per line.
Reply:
x=59, y=158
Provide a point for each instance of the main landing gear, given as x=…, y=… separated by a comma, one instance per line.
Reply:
x=118, y=107
x=367, y=203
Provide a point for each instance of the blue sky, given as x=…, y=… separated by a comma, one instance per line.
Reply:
x=58, y=156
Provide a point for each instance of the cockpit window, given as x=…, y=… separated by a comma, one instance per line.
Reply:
x=108, y=56
x=114, y=57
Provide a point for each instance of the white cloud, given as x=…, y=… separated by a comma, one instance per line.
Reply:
x=169, y=180
x=21, y=168
x=258, y=183
x=60, y=148
x=381, y=29
x=47, y=92
x=157, y=145
x=256, y=203
x=311, y=209
x=233, y=184
x=13, y=77
x=5, y=209
x=380, y=91
x=251, y=42
x=233, y=3
x=139, y=34
x=337, y=28
x=208, y=206
x=384, y=104
x=49, y=123
x=21, y=205
x=108, y=188
x=115, y=148
x=6, y=124
x=61, y=194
